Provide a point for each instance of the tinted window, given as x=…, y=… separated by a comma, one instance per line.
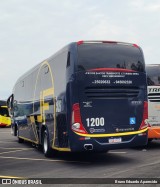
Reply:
x=4, y=112
x=153, y=74
x=102, y=55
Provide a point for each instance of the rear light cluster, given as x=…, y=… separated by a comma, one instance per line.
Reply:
x=77, y=125
x=112, y=70
x=144, y=123
x=108, y=42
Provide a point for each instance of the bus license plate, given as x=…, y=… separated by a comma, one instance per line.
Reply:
x=115, y=140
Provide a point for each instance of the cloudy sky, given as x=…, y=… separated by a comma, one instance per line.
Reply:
x=32, y=30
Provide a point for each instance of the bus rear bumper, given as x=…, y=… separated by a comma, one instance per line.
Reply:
x=103, y=145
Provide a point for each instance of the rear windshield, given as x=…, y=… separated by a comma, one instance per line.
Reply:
x=4, y=112
x=102, y=55
x=153, y=75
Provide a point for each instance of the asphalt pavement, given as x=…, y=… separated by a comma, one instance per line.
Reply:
x=23, y=160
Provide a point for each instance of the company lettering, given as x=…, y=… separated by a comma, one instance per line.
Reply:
x=154, y=90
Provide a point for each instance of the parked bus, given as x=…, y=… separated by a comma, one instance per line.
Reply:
x=5, y=119
x=153, y=79
x=89, y=96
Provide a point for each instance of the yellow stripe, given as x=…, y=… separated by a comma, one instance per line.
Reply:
x=62, y=149
x=28, y=139
x=110, y=135
x=3, y=106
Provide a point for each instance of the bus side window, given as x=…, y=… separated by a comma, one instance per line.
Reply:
x=68, y=59
x=46, y=69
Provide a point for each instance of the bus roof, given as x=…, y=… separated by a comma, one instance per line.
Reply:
x=68, y=47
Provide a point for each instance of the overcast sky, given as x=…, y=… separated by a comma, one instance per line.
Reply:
x=32, y=30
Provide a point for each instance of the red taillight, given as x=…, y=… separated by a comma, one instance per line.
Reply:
x=144, y=123
x=77, y=125
x=112, y=70
x=135, y=45
x=80, y=42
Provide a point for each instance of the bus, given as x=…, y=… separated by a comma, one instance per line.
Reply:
x=153, y=80
x=89, y=96
x=5, y=119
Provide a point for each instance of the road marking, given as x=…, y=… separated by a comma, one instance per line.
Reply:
x=39, y=159
x=4, y=132
x=11, y=177
x=6, y=142
x=11, y=151
x=117, y=152
x=132, y=169
x=16, y=148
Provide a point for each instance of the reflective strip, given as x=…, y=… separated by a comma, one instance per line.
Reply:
x=114, y=134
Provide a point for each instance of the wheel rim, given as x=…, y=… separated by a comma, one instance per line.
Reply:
x=45, y=143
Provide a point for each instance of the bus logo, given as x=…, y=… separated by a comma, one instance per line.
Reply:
x=132, y=121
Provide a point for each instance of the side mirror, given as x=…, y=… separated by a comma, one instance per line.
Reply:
x=10, y=104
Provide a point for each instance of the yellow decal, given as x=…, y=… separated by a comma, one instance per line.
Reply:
x=44, y=105
x=114, y=134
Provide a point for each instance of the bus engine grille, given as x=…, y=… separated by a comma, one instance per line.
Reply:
x=154, y=97
x=111, y=92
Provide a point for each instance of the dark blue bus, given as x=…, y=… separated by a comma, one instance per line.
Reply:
x=89, y=96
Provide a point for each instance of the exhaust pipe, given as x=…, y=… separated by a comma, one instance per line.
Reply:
x=88, y=147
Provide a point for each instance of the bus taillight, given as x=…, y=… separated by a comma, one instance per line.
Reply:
x=80, y=42
x=77, y=125
x=144, y=123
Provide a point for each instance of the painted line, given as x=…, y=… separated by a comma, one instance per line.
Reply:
x=4, y=132
x=10, y=177
x=115, y=174
x=117, y=152
x=6, y=142
x=11, y=152
x=39, y=159
x=16, y=148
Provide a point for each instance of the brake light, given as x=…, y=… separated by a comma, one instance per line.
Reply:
x=135, y=45
x=112, y=70
x=77, y=125
x=108, y=42
x=80, y=42
x=144, y=123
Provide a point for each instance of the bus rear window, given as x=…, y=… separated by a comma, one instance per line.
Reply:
x=153, y=75
x=4, y=112
x=102, y=55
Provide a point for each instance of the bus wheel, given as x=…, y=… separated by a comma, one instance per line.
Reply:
x=47, y=150
x=20, y=140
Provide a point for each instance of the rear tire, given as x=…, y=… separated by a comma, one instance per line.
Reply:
x=47, y=150
x=20, y=140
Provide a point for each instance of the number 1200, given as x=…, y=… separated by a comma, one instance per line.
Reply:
x=95, y=122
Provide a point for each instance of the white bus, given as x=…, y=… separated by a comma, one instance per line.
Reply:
x=153, y=79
